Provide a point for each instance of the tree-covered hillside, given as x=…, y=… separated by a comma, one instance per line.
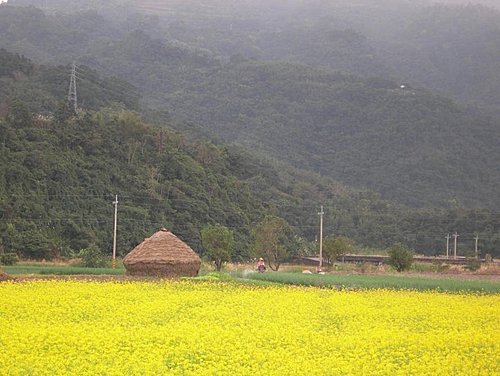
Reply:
x=44, y=88
x=58, y=178
x=455, y=50
x=449, y=46
x=192, y=68
x=452, y=48
x=406, y=143
x=58, y=171
x=59, y=174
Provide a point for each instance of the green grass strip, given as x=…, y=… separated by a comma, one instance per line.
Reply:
x=378, y=281
x=59, y=270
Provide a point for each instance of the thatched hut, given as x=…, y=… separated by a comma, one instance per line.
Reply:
x=162, y=255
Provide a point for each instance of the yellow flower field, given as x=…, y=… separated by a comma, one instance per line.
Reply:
x=214, y=328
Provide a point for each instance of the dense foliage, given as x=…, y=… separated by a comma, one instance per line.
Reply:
x=58, y=178
x=450, y=48
x=272, y=238
x=218, y=243
x=334, y=247
x=453, y=48
x=408, y=144
x=43, y=89
x=92, y=257
x=400, y=257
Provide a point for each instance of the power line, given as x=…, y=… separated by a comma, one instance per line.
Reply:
x=115, y=80
x=100, y=84
x=146, y=199
x=114, y=92
x=415, y=235
x=118, y=92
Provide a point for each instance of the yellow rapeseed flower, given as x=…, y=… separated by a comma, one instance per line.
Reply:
x=214, y=328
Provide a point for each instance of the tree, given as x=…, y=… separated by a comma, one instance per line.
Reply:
x=19, y=115
x=271, y=236
x=218, y=242
x=400, y=257
x=335, y=246
x=63, y=112
x=92, y=257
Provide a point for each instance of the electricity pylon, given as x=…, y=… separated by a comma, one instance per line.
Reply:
x=72, y=97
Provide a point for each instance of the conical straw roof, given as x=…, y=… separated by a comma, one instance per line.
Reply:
x=162, y=254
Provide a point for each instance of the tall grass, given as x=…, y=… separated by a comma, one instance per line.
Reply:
x=378, y=281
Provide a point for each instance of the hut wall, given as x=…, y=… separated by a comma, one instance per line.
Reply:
x=164, y=270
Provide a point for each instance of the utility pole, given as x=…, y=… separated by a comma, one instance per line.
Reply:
x=455, y=235
x=447, y=245
x=321, y=213
x=475, y=248
x=114, y=232
x=72, y=97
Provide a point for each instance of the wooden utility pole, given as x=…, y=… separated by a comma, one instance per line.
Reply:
x=321, y=213
x=475, y=248
x=455, y=235
x=114, y=232
x=447, y=245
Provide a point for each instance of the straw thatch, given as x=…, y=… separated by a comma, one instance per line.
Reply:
x=162, y=255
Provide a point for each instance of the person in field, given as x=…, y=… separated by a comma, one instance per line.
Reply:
x=261, y=266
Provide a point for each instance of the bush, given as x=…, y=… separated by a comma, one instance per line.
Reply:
x=400, y=257
x=473, y=265
x=8, y=259
x=91, y=257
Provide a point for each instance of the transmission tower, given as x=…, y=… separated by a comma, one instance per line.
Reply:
x=72, y=97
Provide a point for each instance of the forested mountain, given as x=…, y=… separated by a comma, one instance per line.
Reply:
x=342, y=89
x=406, y=143
x=44, y=88
x=453, y=48
x=59, y=175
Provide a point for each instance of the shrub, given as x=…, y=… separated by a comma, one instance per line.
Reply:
x=8, y=259
x=91, y=257
x=473, y=264
x=400, y=257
